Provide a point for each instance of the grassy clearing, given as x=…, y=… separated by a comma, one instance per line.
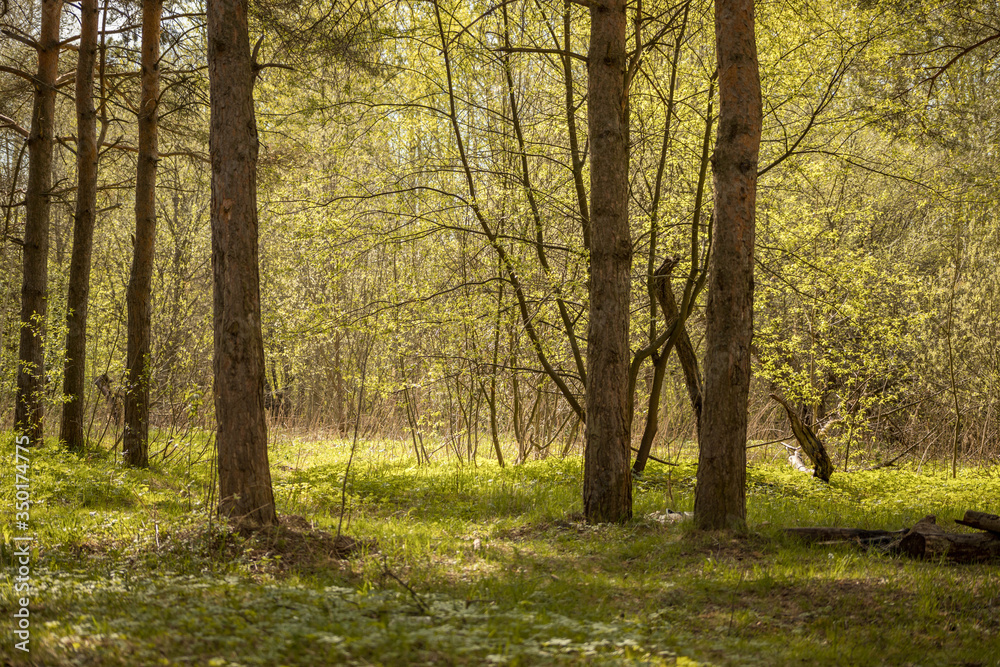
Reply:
x=482, y=565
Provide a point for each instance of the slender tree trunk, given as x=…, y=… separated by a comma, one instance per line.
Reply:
x=139, y=295
x=576, y=155
x=720, y=493
x=77, y=301
x=494, y=426
x=245, y=490
x=607, y=484
x=652, y=414
x=956, y=433
x=339, y=389
x=29, y=412
x=685, y=348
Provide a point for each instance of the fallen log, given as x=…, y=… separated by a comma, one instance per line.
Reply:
x=981, y=520
x=927, y=540
x=823, y=534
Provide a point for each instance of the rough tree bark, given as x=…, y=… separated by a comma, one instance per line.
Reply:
x=720, y=492
x=244, y=475
x=29, y=412
x=77, y=300
x=139, y=293
x=607, y=483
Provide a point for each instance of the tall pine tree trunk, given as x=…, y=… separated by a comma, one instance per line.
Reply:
x=244, y=475
x=139, y=293
x=720, y=493
x=607, y=483
x=29, y=412
x=74, y=377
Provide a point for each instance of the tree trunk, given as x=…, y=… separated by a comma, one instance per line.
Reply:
x=661, y=291
x=29, y=412
x=492, y=397
x=244, y=475
x=607, y=484
x=652, y=414
x=139, y=297
x=77, y=301
x=685, y=348
x=720, y=493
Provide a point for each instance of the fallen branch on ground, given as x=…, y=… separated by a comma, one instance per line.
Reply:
x=924, y=540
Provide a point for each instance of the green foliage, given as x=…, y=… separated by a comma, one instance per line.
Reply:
x=876, y=239
x=483, y=565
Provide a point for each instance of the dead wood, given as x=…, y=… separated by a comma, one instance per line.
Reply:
x=982, y=521
x=823, y=534
x=927, y=540
x=811, y=445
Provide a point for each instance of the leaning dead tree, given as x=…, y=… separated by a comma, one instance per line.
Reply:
x=810, y=444
x=663, y=291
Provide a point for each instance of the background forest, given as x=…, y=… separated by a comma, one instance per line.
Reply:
x=876, y=302
x=437, y=260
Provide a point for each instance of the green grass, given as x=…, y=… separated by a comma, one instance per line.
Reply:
x=480, y=565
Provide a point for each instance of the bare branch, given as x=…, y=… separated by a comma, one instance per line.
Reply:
x=258, y=68
x=18, y=36
x=963, y=51
x=17, y=72
x=558, y=52
x=256, y=49
x=11, y=124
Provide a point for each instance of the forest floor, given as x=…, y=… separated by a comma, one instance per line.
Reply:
x=473, y=564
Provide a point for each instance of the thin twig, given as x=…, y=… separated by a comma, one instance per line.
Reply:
x=653, y=458
x=354, y=443
x=420, y=602
x=772, y=442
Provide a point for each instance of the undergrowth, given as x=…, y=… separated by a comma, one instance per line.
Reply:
x=456, y=563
